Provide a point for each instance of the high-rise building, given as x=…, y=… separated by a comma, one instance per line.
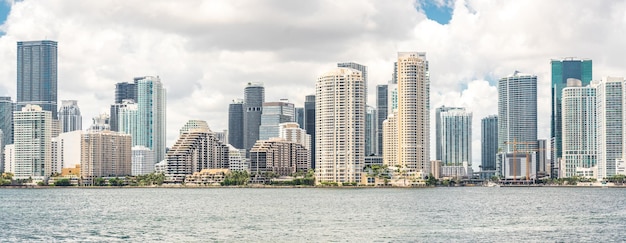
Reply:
x=381, y=110
x=254, y=97
x=9, y=158
x=143, y=160
x=69, y=116
x=359, y=67
x=100, y=123
x=66, y=150
x=300, y=116
x=37, y=75
x=517, y=124
x=413, y=112
x=33, y=143
x=309, y=124
x=370, y=131
x=275, y=113
x=340, y=126
x=292, y=132
x=278, y=156
x=6, y=120
x=562, y=70
x=517, y=112
x=579, y=138
x=454, y=135
x=124, y=93
x=151, y=115
x=609, y=111
x=390, y=141
x=127, y=119
x=105, y=154
x=235, y=123
x=489, y=142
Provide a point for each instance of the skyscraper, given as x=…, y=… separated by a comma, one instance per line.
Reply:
x=6, y=120
x=105, y=154
x=235, y=123
x=340, y=126
x=413, y=114
x=151, y=115
x=37, y=75
x=517, y=112
x=562, y=70
x=578, y=110
x=33, y=143
x=454, y=135
x=275, y=113
x=69, y=116
x=370, y=131
x=609, y=111
x=254, y=96
x=300, y=116
x=489, y=142
x=381, y=110
x=309, y=124
x=123, y=92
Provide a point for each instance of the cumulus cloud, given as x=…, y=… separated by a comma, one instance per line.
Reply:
x=206, y=51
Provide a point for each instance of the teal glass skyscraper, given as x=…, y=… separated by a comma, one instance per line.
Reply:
x=562, y=70
x=37, y=75
x=151, y=115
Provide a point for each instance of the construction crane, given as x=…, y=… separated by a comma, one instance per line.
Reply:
x=527, y=152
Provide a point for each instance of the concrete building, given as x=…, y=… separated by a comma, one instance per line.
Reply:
x=518, y=166
x=381, y=115
x=100, y=123
x=454, y=135
x=33, y=143
x=254, y=97
x=359, y=67
x=69, y=116
x=37, y=75
x=340, y=126
x=9, y=158
x=562, y=70
x=278, y=156
x=235, y=123
x=196, y=149
x=105, y=154
x=390, y=140
x=578, y=122
x=6, y=120
x=143, y=161
x=275, y=113
x=237, y=159
x=151, y=115
x=489, y=142
x=464, y=170
x=127, y=115
x=517, y=117
x=309, y=124
x=413, y=113
x=291, y=131
x=610, y=123
x=66, y=149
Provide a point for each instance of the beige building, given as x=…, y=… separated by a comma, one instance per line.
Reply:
x=105, y=154
x=340, y=126
x=413, y=115
x=390, y=141
x=278, y=156
x=207, y=177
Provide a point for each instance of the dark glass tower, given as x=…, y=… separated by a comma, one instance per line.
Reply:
x=37, y=75
x=254, y=96
x=6, y=121
x=381, y=107
x=489, y=142
x=561, y=71
x=235, y=123
x=309, y=123
x=123, y=91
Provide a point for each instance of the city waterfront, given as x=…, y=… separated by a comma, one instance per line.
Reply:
x=313, y=214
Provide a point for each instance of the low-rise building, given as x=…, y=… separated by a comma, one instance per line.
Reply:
x=207, y=177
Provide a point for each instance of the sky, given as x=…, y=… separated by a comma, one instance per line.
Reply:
x=206, y=51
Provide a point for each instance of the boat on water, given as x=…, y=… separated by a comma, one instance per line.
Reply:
x=492, y=184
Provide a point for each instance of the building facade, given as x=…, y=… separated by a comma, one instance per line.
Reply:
x=254, y=97
x=610, y=123
x=413, y=112
x=37, y=75
x=309, y=124
x=66, y=149
x=235, y=123
x=69, y=116
x=489, y=142
x=143, y=160
x=563, y=69
x=6, y=120
x=454, y=135
x=275, y=113
x=105, y=154
x=370, y=131
x=340, y=126
x=578, y=124
x=151, y=115
x=278, y=156
x=381, y=116
x=33, y=143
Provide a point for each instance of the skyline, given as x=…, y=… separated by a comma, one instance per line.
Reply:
x=287, y=46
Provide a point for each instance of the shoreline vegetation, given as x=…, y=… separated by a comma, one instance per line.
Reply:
x=180, y=186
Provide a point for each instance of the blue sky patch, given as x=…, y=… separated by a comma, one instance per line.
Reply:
x=440, y=14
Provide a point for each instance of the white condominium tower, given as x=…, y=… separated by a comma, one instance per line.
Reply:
x=454, y=135
x=340, y=126
x=578, y=110
x=33, y=142
x=609, y=109
x=517, y=113
x=413, y=114
x=151, y=103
